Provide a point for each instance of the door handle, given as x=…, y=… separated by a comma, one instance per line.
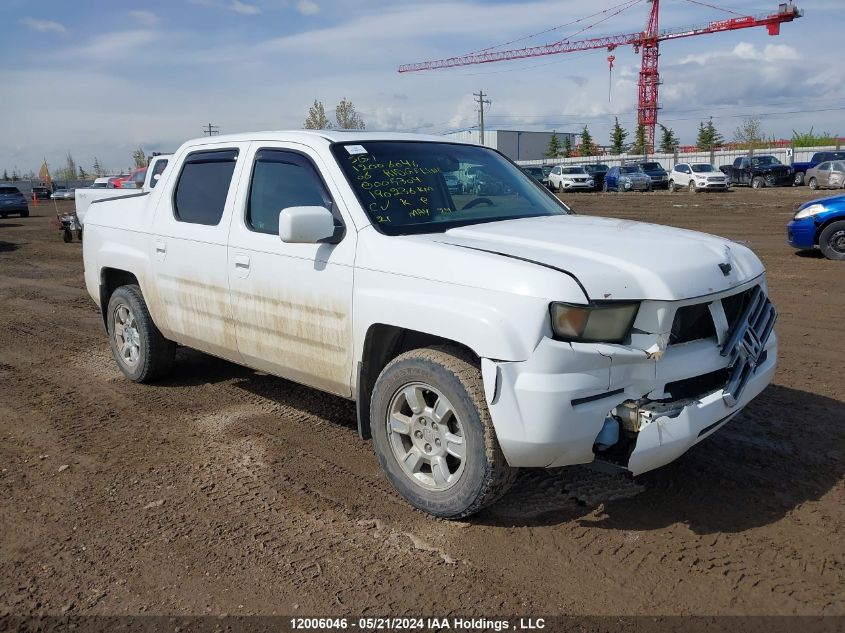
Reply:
x=161, y=247
x=242, y=261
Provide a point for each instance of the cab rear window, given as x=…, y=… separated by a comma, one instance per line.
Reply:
x=203, y=185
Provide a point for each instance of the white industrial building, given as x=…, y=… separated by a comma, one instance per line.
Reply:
x=516, y=144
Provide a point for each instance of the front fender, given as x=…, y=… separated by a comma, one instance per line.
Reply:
x=492, y=324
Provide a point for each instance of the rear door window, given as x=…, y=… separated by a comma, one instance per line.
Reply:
x=203, y=186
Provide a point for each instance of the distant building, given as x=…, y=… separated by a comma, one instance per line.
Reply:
x=516, y=144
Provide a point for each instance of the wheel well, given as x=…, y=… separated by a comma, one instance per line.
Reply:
x=110, y=280
x=382, y=344
x=823, y=226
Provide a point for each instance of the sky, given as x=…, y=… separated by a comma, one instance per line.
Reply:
x=99, y=78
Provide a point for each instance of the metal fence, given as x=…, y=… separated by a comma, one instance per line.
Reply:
x=26, y=186
x=786, y=155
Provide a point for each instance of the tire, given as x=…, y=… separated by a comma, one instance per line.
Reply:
x=671, y=187
x=832, y=241
x=153, y=354
x=67, y=237
x=604, y=187
x=24, y=214
x=79, y=234
x=3, y=217
x=438, y=481
x=813, y=184
x=691, y=187
x=799, y=179
x=758, y=182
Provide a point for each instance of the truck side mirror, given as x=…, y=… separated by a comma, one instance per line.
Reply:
x=305, y=225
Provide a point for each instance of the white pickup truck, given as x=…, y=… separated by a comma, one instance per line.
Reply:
x=476, y=333
x=149, y=177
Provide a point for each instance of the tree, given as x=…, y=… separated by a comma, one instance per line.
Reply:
x=5, y=175
x=567, y=146
x=640, y=144
x=346, y=116
x=68, y=172
x=617, y=138
x=83, y=175
x=317, y=119
x=98, y=169
x=810, y=139
x=708, y=137
x=588, y=148
x=553, y=150
x=15, y=175
x=750, y=133
x=668, y=140
x=139, y=157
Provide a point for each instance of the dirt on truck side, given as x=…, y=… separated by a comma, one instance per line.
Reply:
x=225, y=490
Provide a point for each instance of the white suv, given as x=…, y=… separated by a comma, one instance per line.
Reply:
x=697, y=177
x=477, y=332
x=565, y=178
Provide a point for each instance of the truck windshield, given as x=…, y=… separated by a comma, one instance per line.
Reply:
x=652, y=166
x=403, y=188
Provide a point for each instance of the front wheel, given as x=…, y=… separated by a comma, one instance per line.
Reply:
x=140, y=349
x=433, y=434
x=832, y=241
x=672, y=188
x=604, y=187
x=814, y=184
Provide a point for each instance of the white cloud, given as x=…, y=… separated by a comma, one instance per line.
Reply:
x=308, y=7
x=44, y=26
x=145, y=18
x=243, y=8
x=110, y=46
x=235, y=6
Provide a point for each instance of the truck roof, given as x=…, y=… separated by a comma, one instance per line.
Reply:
x=330, y=136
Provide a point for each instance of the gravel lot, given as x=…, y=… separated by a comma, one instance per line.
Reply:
x=224, y=490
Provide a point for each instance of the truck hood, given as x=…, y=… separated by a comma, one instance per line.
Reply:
x=617, y=259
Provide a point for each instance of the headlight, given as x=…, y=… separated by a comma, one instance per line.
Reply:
x=806, y=212
x=598, y=323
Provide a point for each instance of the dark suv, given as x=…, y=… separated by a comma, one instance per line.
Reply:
x=597, y=171
x=659, y=176
x=12, y=201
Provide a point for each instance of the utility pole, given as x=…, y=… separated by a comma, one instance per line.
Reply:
x=211, y=130
x=481, y=103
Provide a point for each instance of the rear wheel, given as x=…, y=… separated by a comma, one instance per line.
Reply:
x=672, y=188
x=832, y=241
x=67, y=236
x=758, y=182
x=604, y=187
x=433, y=434
x=140, y=349
x=799, y=179
x=24, y=213
x=813, y=183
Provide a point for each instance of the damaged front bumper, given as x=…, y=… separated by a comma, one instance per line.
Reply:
x=549, y=410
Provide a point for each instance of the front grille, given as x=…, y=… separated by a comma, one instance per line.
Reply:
x=746, y=342
x=691, y=324
x=697, y=386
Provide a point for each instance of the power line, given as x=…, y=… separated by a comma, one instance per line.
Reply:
x=211, y=130
x=481, y=101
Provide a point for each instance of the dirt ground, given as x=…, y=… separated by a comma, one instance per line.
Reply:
x=223, y=490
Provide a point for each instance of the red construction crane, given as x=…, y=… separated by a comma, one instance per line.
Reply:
x=647, y=42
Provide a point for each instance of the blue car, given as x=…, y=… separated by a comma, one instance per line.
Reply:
x=12, y=201
x=820, y=223
x=626, y=178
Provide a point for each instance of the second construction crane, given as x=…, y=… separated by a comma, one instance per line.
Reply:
x=645, y=42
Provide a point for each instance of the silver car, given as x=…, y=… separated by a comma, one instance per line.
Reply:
x=827, y=175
